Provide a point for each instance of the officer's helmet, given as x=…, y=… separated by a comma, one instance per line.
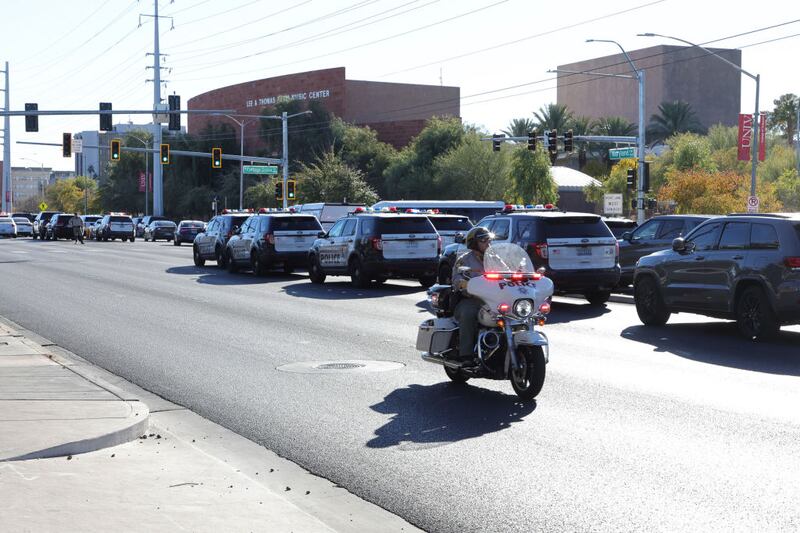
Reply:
x=476, y=234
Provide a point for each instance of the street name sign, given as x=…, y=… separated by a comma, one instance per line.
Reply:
x=260, y=169
x=622, y=153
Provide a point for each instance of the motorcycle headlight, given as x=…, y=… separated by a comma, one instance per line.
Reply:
x=523, y=308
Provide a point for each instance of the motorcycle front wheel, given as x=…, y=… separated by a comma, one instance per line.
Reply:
x=528, y=381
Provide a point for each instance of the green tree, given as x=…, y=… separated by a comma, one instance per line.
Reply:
x=329, y=179
x=722, y=137
x=553, y=117
x=783, y=118
x=691, y=152
x=673, y=117
x=261, y=195
x=360, y=149
x=787, y=187
x=471, y=171
x=309, y=135
x=67, y=195
x=611, y=125
x=530, y=174
x=780, y=158
x=520, y=127
x=614, y=183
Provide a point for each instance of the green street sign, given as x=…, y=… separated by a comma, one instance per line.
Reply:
x=260, y=169
x=622, y=153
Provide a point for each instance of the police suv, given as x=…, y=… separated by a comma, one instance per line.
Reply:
x=375, y=246
x=210, y=244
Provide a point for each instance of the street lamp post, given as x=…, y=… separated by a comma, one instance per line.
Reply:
x=241, y=124
x=639, y=74
x=756, y=77
x=146, y=173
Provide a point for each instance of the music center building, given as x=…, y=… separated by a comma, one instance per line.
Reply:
x=396, y=111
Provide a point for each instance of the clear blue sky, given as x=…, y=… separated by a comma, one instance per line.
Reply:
x=72, y=55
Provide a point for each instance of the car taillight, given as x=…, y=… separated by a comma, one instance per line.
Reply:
x=616, y=252
x=792, y=262
x=439, y=245
x=377, y=243
x=270, y=238
x=541, y=249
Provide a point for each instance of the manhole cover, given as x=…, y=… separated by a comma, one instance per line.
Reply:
x=341, y=367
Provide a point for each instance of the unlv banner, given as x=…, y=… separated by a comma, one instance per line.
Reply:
x=745, y=138
x=762, y=136
x=142, y=183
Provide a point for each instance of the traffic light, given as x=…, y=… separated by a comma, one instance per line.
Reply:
x=105, y=120
x=631, y=181
x=290, y=184
x=216, y=158
x=279, y=190
x=532, y=140
x=568, y=141
x=165, y=154
x=31, y=121
x=66, y=144
x=175, y=118
x=115, y=149
x=552, y=142
x=496, y=140
x=646, y=184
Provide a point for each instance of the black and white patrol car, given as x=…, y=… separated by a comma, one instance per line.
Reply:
x=577, y=250
x=270, y=240
x=449, y=226
x=376, y=246
x=210, y=244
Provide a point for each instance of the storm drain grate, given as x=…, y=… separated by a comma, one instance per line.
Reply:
x=339, y=366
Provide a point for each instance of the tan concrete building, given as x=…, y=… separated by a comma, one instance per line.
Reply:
x=711, y=87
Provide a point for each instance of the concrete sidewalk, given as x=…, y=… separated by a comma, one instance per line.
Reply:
x=83, y=450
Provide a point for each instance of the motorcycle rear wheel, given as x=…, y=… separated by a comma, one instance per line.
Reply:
x=528, y=381
x=455, y=375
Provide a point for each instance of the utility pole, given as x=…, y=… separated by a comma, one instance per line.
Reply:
x=285, y=123
x=6, y=189
x=158, y=177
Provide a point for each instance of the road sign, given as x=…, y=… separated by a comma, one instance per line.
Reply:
x=612, y=204
x=622, y=153
x=260, y=169
x=752, y=204
x=42, y=206
x=77, y=146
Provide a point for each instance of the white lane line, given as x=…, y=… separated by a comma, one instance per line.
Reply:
x=18, y=252
x=57, y=251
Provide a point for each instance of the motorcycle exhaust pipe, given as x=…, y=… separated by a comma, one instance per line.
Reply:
x=433, y=358
x=490, y=340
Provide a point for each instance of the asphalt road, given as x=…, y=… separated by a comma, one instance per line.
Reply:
x=684, y=427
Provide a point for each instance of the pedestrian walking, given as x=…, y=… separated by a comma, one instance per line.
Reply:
x=77, y=229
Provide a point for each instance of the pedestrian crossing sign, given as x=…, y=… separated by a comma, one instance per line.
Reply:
x=42, y=206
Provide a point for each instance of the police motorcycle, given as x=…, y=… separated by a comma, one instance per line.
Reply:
x=516, y=301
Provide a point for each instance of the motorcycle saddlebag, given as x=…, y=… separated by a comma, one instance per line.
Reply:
x=435, y=335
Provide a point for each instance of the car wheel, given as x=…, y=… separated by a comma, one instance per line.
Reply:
x=754, y=315
x=198, y=261
x=176, y=242
x=233, y=268
x=427, y=281
x=597, y=297
x=380, y=280
x=256, y=265
x=315, y=271
x=133, y=239
x=649, y=303
x=445, y=274
x=222, y=258
x=357, y=277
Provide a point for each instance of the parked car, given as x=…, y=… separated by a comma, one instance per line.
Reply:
x=92, y=229
x=24, y=226
x=88, y=222
x=741, y=267
x=160, y=229
x=375, y=247
x=619, y=225
x=577, y=250
x=210, y=244
x=267, y=241
x=40, y=224
x=59, y=227
x=449, y=226
x=327, y=213
x=146, y=221
x=30, y=216
x=655, y=234
x=8, y=228
x=115, y=226
x=187, y=230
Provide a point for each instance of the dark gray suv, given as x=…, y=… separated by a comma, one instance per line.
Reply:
x=742, y=267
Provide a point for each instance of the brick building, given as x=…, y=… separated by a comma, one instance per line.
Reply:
x=396, y=111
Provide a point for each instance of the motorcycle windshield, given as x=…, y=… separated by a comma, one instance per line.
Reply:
x=507, y=257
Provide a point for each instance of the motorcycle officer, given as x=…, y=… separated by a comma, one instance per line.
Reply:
x=466, y=311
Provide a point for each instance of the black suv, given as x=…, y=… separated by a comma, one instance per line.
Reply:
x=743, y=267
x=654, y=235
x=210, y=244
x=59, y=227
x=375, y=247
x=40, y=224
x=577, y=250
x=266, y=241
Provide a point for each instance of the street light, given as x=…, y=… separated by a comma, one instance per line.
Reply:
x=146, y=173
x=640, y=78
x=241, y=124
x=756, y=77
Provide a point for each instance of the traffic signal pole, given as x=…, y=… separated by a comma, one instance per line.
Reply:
x=158, y=176
x=285, y=124
x=7, y=205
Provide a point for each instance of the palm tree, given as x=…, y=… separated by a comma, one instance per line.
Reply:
x=673, y=117
x=519, y=127
x=581, y=125
x=618, y=126
x=553, y=117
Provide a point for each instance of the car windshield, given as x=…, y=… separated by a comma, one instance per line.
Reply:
x=191, y=224
x=507, y=257
x=295, y=223
x=405, y=225
x=164, y=224
x=451, y=223
x=22, y=220
x=119, y=219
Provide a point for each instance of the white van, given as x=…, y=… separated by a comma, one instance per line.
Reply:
x=327, y=213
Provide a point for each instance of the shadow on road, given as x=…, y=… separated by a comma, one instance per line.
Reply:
x=445, y=413
x=565, y=311
x=344, y=291
x=719, y=343
x=217, y=276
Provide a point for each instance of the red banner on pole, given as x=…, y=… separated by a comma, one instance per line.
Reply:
x=141, y=181
x=762, y=136
x=745, y=136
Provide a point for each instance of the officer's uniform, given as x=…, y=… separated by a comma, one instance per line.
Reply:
x=466, y=311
